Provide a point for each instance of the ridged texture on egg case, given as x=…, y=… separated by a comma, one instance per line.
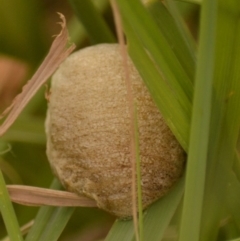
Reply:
x=88, y=132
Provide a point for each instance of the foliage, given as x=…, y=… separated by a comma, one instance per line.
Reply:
x=195, y=86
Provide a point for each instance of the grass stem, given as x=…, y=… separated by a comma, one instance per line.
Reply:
x=200, y=126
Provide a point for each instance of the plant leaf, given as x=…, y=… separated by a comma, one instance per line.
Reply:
x=199, y=145
x=55, y=215
x=55, y=57
x=35, y=196
x=97, y=29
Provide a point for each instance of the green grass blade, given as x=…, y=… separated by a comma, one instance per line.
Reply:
x=156, y=218
x=184, y=31
x=160, y=91
x=171, y=94
x=184, y=53
x=199, y=135
x=50, y=221
x=159, y=49
x=93, y=22
x=225, y=121
x=121, y=230
x=42, y=217
x=8, y=214
x=56, y=223
x=159, y=215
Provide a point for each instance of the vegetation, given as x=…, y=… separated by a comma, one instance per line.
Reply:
x=194, y=82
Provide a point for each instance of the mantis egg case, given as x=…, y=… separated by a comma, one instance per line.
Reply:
x=88, y=132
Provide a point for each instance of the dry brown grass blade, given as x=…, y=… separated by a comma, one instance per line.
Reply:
x=35, y=196
x=57, y=53
x=120, y=34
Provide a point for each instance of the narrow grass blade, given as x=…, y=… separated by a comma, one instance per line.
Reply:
x=50, y=221
x=8, y=214
x=158, y=47
x=56, y=224
x=42, y=217
x=200, y=127
x=93, y=22
x=164, y=92
x=121, y=230
x=155, y=220
x=170, y=107
x=182, y=50
x=225, y=122
x=171, y=94
x=159, y=215
x=189, y=41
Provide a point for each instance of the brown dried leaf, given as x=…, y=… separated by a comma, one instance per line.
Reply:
x=35, y=196
x=55, y=57
x=133, y=150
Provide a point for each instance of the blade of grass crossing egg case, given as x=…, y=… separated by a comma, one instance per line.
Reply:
x=160, y=91
x=45, y=214
x=158, y=48
x=200, y=126
x=96, y=27
x=123, y=230
x=175, y=111
x=8, y=214
x=225, y=121
x=174, y=30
